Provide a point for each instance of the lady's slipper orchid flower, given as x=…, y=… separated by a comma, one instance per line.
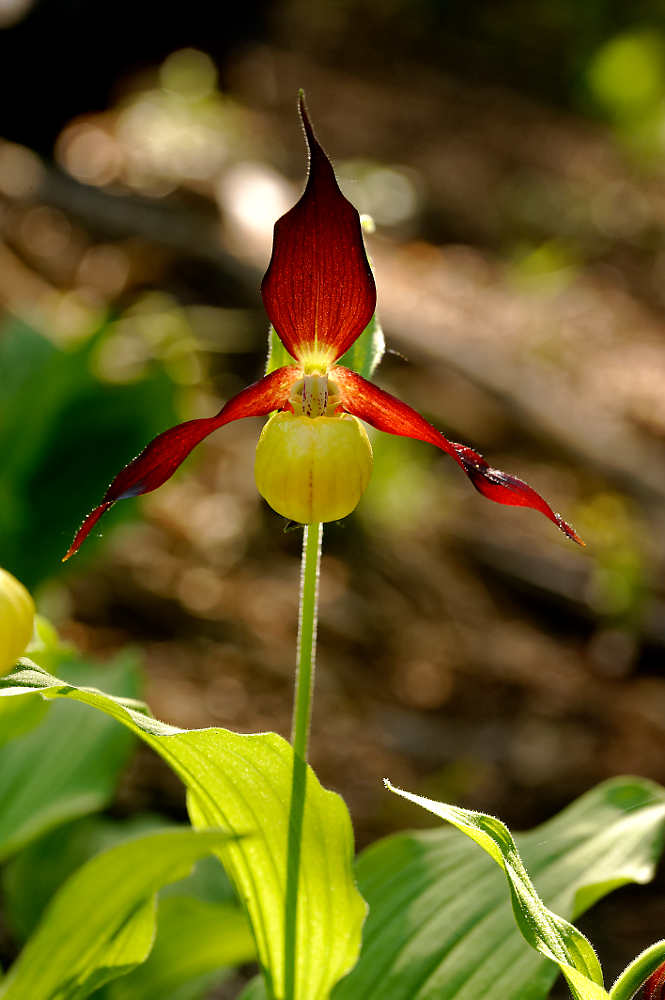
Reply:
x=17, y=617
x=313, y=458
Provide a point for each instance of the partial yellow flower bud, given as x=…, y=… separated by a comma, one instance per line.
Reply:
x=17, y=613
x=313, y=468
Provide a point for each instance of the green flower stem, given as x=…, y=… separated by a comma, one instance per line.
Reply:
x=636, y=974
x=302, y=712
x=307, y=621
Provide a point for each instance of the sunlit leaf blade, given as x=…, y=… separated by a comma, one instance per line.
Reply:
x=48, y=776
x=246, y=785
x=243, y=784
x=196, y=940
x=33, y=876
x=200, y=927
x=278, y=356
x=441, y=926
x=365, y=354
x=102, y=921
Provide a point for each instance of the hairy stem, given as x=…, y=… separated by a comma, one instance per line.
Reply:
x=302, y=711
x=307, y=622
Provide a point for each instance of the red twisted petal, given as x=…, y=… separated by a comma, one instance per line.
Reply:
x=318, y=290
x=159, y=460
x=387, y=413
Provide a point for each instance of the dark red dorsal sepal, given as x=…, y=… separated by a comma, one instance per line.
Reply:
x=318, y=290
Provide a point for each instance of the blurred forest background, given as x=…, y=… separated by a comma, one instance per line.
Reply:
x=512, y=156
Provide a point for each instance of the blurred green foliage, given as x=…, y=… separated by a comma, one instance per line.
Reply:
x=626, y=78
x=33, y=876
x=52, y=787
x=400, y=491
x=47, y=778
x=200, y=929
x=627, y=73
x=620, y=581
x=64, y=432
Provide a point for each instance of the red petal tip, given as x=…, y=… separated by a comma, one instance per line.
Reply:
x=387, y=413
x=569, y=531
x=319, y=290
x=165, y=453
x=307, y=124
x=510, y=490
x=85, y=529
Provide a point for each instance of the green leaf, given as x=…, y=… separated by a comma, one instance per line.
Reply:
x=200, y=928
x=243, y=785
x=19, y=717
x=33, y=876
x=441, y=924
x=102, y=921
x=62, y=432
x=366, y=352
x=48, y=775
x=255, y=990
x=208, y=881
x=278, y=356
x=544, y=930
x=363, y=356
x=195, y=941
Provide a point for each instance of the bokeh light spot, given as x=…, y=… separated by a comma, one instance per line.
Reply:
x=627, y=75
x=189, y=73
x=20, y=171
x=89, y=154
